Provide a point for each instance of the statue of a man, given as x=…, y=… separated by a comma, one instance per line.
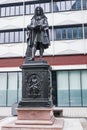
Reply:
x=38, y=34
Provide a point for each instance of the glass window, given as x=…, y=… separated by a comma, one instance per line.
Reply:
x=58, y=34
x=62, y=88
x=32, y=8
x=64, y=33
x=21, y=36
x=17, y=10
x=36, y=5
x=12, y=10
x=78, y=4
x=47, y=7
x=84, y=86
x=75, y=88
x=42, y=5
x=27, y=9
x=77, y=32
x=68, y=5
x=2, y=37
x=3, y=89
x=84, y=4
x=3, y=11
x=80, y=34
x=69, y=33
x=85, y=32
x=21, y=9
x=56, y=6
x=11, y=37
x=73, y=4
x=7, y=11
x=63, y=5
x=16, y=36
x=72, y=88
x=6, y=37
x=12, y=88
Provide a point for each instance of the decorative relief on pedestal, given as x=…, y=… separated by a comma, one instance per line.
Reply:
x=33, y=87
x=36, y=84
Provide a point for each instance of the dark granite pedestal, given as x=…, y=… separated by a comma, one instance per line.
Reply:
x=36, y=85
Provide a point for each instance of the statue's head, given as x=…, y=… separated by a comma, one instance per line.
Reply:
x=38, y=11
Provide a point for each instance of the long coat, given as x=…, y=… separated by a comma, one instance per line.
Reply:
x=38, y=32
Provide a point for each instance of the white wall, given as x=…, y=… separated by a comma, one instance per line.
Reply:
x=56, y=48
x=70, y=47
x=13, y=50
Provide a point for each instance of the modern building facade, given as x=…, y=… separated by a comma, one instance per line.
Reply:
x=67, y=53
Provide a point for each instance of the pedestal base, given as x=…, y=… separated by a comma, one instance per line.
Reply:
x=35, y=116
x=35, y=119
x=57, y=125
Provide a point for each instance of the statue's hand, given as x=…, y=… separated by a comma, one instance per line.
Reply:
x=39, y=27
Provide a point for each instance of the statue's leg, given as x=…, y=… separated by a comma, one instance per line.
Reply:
x=33, y=52
x=34, y=49
x=41, y=52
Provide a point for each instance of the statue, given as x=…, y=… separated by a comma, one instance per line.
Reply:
x=38, y=34
x=36, y=86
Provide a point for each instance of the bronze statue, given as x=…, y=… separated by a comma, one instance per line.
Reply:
x=38, y=34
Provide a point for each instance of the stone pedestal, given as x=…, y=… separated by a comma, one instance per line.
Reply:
x=34, y=116
x=35, y=119
x=58, y=125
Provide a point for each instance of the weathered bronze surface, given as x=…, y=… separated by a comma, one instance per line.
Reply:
x=38, y=34
x=36, y=85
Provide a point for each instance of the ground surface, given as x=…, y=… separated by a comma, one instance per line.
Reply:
x=83, y=122
x=69, y=123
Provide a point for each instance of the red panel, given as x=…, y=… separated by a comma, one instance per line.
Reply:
x=11, y=62
x=52, y=60
x=67, y=60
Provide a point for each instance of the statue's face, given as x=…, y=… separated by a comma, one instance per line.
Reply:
x=38, y=11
